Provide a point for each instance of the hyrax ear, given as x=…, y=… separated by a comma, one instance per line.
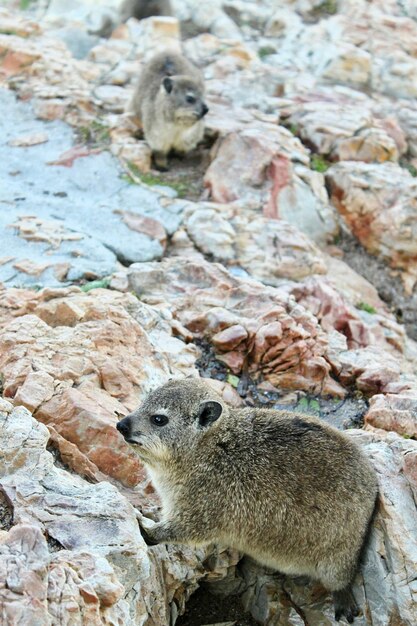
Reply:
x=168, y=84
x=209, y=412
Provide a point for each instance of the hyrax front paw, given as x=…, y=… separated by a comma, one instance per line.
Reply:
x=147, y=536
x=160, y=161
x=345, y=605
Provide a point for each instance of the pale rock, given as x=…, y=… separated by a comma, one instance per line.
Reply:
x=155, y=34
x=110, y=52
x=346, y=132
x=211, y=18
x=269, y=250
x=407, y=117
x=111, y=97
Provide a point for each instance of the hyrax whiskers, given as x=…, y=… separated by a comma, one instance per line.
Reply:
x=169, y=100
x=141, y=9
x=287, y=489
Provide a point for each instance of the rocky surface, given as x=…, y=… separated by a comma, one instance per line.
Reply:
x=278, y=260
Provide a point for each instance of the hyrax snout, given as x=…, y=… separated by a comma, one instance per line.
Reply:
x=287, y=489
x=169, y=100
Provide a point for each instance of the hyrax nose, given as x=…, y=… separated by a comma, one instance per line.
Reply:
x=204, y=109
x=124, y=427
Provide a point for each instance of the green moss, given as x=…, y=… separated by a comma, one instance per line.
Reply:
x=103, y=283
x=180, y=186
x=94, y=135
x=25, y=4
x=411, y=169
x=328, y=7
x=233, y=380
x=265, y=51
x=319, y=164
x=364, y=306
x=293, y=128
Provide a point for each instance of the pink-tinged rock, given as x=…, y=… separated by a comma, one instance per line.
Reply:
x=394, y=412
x=284, y=342
x=379, y=205
x=81, y=360
x=260, y=164
x=146, y=225
x=336, y=302
x=16, y=54
x=37, y=388
x=371, y=368
x=229, y=338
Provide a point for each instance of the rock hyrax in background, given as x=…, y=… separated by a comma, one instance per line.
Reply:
x=169, y=100
x=141, y=9
x=287, y=489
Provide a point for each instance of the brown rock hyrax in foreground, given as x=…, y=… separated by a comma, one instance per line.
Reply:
x=141, y=9
x=169, y=100
x=287, y=489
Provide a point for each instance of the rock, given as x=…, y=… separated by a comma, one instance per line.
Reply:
x=88, y=360
x=74, y=552
x=269, y=250
x=284, y=342
x=408, y=119
x=49, y=240
x=397, y=412
x=347, y=132
x=155, y=34
x=379, y=205
x=263, y=168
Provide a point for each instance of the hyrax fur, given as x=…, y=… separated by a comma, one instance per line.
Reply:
x=287, y=489
x=141, y=9
x=169, y=100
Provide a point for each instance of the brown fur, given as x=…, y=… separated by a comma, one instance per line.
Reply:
x=287, y=489
x=160, y=100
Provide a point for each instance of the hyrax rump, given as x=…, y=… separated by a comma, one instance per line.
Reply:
x=141, y=9
x=287, y=489
x=169, y=100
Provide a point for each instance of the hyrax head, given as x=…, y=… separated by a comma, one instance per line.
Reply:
x=186, y=99
x=172, y=420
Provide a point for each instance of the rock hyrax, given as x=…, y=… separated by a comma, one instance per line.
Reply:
x=287, y=489
x=141, y=9
x=169, y=100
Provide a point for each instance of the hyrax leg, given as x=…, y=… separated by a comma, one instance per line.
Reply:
x=160, y=160
x=337, y=576
x=170, y=531
x=345, y=604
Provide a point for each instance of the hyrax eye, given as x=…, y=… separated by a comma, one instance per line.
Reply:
x=159, y=420
x=190, y=99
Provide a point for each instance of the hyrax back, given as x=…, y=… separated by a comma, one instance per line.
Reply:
x=141, y=9
x=285, y=488
x=169, y=100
